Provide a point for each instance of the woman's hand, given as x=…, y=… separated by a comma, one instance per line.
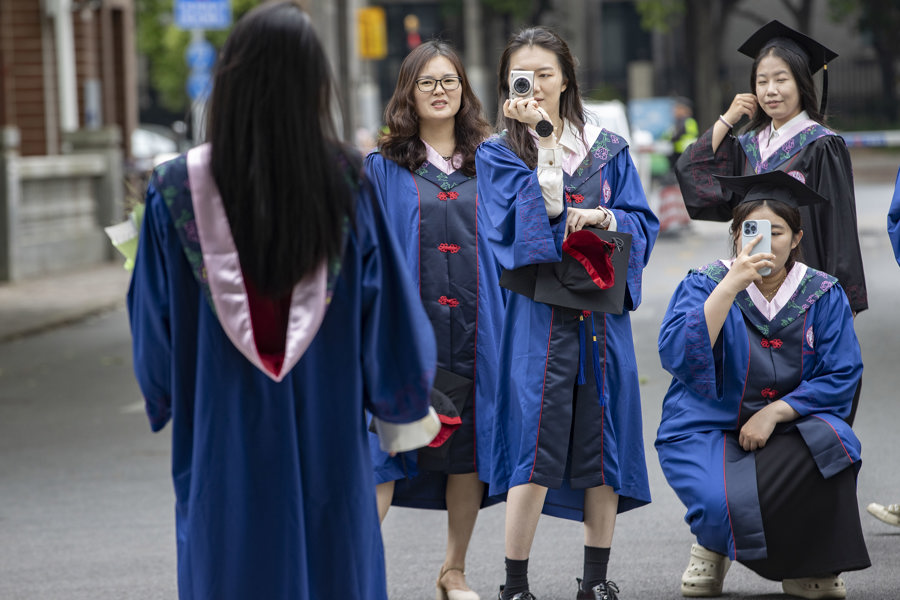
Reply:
x=743, y=104
x=579, y=218
x=745, y=268
x=757, y=430
x=525, y=110
x=744, y=271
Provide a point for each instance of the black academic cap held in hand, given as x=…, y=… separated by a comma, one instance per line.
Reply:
x=591, y=275
x=774, y=185
x=776, y=33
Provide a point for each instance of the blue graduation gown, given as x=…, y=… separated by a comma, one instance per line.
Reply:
x=816, y=156
x=710, y=392
x=274, y=494
x=893, y=220
x=521, y=233
x=433, y=216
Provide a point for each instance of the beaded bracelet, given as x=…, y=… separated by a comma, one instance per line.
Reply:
x=725, y=123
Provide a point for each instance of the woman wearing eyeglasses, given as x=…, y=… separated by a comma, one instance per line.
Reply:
x=424, y=175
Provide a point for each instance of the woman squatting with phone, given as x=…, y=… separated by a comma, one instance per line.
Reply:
x=753, y=437
x=567, y=434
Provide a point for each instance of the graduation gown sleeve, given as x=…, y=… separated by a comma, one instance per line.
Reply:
x=149, y=311
x=893, y=220
x=829, y=384
x=684, y=346
x=831, y=240
x=520, y=232
x=391, y=314
x=695, y=170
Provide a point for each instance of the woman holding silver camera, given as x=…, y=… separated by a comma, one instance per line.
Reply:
x=424, y=176
x=764, y=363
x=567, y=434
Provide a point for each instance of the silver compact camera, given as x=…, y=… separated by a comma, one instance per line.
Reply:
x=521, y=84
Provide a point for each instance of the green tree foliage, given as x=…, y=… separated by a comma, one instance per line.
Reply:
x=660, y=15
x=164, y=46
x=879, y=21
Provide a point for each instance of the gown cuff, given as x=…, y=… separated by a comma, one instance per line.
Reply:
x=401, y=437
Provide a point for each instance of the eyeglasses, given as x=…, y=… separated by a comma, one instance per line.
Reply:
x=427, y=84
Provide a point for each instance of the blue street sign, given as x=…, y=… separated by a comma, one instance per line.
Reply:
x=199, y=85
x=203, y=14
x=200, y=55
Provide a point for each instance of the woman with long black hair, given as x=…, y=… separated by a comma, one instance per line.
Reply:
x=266, y=294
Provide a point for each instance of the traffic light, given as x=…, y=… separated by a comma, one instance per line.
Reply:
x=372, y=32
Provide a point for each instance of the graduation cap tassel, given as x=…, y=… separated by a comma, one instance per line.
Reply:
x=580, y=379
x=824, y=103
x=598, y=377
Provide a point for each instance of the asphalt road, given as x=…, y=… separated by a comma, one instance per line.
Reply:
x=86, y=503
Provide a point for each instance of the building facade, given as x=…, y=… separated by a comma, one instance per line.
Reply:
x=67, y=99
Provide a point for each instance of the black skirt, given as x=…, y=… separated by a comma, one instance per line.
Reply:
x=811, y=524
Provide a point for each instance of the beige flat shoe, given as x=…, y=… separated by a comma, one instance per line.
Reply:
x=705, y=574
x=445, y=594
x=815, y=587
x=890, y=513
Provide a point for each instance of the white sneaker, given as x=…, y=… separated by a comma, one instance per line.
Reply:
x=890, y=514
x=815, y=587
x=705, y=574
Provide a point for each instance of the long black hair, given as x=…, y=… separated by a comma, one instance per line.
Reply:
x=275, y=155
x=401, y=142
x=806, y=87
x=570, y=106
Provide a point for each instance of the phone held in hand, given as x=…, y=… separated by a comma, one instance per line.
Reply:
x=752, y=228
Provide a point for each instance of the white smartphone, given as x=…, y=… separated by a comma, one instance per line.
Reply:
x=752, y=228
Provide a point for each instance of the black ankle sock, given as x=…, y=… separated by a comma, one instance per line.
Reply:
x=595, y=562
x=516, y=577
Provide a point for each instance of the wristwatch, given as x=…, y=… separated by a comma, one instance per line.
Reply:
x=544, y=128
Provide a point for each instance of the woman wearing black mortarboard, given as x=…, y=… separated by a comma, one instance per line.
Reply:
x=753, y=437
x=786, y=132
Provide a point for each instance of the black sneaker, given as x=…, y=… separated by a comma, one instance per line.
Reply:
x=605, y=590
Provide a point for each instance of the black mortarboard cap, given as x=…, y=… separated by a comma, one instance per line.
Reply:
x=591, y=275
x=776, y=33
x=774, y=185
x=449, y=396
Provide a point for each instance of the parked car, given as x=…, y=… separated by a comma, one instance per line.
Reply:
x=152, y=144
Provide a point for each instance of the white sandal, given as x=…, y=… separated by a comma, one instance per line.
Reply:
x=705, y=574
x=815, y=587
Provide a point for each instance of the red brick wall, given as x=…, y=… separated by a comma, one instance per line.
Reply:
x=104, y=51
x=23, y=73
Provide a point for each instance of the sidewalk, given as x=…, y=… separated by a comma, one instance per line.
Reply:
x=32, y=306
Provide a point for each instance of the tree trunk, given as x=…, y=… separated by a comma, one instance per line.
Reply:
x=705, y=22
